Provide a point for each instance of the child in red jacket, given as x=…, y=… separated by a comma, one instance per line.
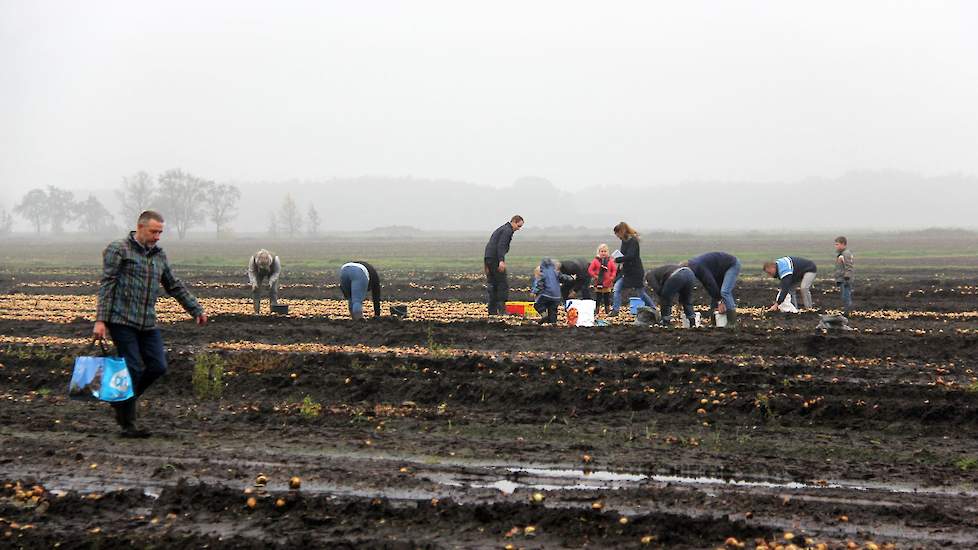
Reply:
x=603, y=270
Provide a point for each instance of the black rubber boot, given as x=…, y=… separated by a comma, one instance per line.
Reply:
x=128, y=421
x=731, y=318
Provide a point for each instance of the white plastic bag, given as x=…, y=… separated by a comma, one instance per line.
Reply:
x=786, y=306
x=585, y=311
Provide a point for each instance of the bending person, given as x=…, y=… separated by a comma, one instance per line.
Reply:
x=631, y=274
x=718, y=272
x=546, y=286
x=580, y=284
x=355, y=279
x=793, y=271
x=263, y=271
x=669, y=281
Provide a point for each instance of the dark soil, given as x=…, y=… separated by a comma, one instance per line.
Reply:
x=865, y=435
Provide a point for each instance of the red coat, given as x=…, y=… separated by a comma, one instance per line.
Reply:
x=609, y=274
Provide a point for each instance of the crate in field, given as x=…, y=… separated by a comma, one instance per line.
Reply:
x=523, y=309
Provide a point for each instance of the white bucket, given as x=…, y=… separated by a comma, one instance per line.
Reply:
x=696, y=318
x=585, y=311
x=719, y=319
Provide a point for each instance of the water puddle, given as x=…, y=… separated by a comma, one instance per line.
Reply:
x=556, y=479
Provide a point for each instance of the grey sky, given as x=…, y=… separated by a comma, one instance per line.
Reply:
x=580, y=93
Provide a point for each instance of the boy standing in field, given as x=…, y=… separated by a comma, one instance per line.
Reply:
x=843, y=272
x=133, y=270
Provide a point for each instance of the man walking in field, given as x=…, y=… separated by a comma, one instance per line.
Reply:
x=133, y=269
x=497, y=286
x=263, y=271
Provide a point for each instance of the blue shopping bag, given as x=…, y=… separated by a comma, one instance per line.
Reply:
x=103, y=378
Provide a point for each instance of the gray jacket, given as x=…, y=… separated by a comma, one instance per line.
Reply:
x=843, y=266
x=257, y=274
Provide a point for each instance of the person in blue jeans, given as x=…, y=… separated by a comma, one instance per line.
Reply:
x=355, y=279
x=631, y=274
x=718, y=272
x=844, y=273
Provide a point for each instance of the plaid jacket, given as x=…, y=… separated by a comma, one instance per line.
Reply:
x=130, y=285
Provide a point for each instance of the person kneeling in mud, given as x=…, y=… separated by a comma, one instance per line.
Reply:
x=671, y=280
x=546, y=287
x=355, y=279
x=263, y=271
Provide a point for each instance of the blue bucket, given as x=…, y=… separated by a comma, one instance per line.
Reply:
x=634, y=304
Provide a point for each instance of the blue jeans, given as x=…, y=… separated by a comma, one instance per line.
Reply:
x=617, y=292
x=845, y=287
x=144, y=354
x=726, y=289
x=353, y=283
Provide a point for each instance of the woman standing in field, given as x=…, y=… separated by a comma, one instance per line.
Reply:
x=630, y=270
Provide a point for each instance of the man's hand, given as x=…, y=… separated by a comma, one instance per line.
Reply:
x=773, y=308
x=202, y=319
x=721, y=307
x=99, y=331
x=502, y=266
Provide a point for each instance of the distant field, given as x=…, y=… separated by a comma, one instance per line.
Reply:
x=879, y=255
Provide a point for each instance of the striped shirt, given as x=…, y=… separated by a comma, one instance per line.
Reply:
x=131, y=280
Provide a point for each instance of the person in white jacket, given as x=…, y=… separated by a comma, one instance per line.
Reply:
x=263, y=271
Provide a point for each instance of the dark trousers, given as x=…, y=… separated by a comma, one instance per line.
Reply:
x=603, y=298
x=144, y=354
x=681, y=283
x=497, y=287
x=548, y=305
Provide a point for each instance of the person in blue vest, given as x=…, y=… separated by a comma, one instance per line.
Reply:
x=718, y=272
x=792, y=271
x=494, y=265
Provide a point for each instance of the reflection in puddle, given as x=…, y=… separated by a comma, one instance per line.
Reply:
x=545, y=479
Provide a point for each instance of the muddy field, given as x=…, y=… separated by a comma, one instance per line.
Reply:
x=448, y=430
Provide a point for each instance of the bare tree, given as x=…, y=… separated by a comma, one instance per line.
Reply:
x=137, y=195
x=289, y=218
x=93, y=216
x=6, y=221
x=183, y=197
x=61, y=208
x=222, y=205
x=34, y=208
x=313, y=217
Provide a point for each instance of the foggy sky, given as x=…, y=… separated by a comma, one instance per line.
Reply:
x=583, y=94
